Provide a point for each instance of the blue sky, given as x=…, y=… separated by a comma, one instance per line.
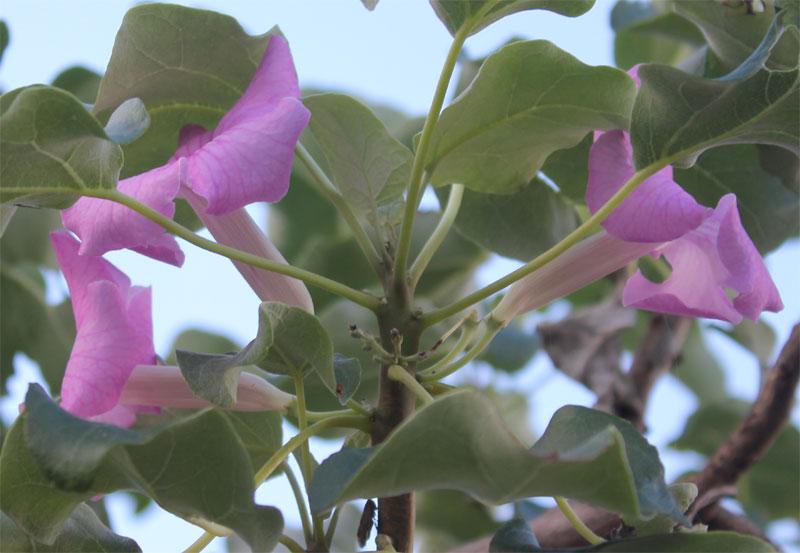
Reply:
x=392, y=55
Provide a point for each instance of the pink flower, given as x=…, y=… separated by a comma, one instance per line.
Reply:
x=711, y=256
x=247, y=158
x=111, y=373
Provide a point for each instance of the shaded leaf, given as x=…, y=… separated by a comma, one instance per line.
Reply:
x=769, y=210
x=348, y=376
x=186, y=65
x=757, y=337
x=83, y=531
x=461, y=443
x=514, y=536
x=712, y=542
x=80, y=81
x=456, y=14
x=447, y=518
x=53, y=149
x=195, y=339
x=520, y=225
x=511, y=349
x=569, y=169
x=528, y=100
x=661, y=37
x=678, y=116
x=4, y=38
x=699, y=370
x=52, y=461
x=684, y=493
x=27, y=237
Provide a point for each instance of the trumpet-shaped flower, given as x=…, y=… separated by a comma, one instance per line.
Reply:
x=111, y=372
x=716, y=270
x=247, y=158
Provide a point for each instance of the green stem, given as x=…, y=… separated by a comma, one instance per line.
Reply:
x=290, y=544
x=200, y=543
x=399, y=374
x=327, y=189
x=331, y=531
x=573, y=518
x=467, y=333
x=305, y=519
x=416, y=181
x=306, y=464
x=570, y=240
x=491, y=328
x=332, y=286
x=439, y=234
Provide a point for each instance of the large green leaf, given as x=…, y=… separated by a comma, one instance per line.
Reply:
x=52, y=461
x=762, y=490
x=83, y=531
x=768, y=209
x=520, y=225
x=569, y=169
x=678, y=116
x=368, y=166
x=53, y=149
x=460, y=442
x=458, y=13
x=80, y=81
x=447, y=518
x=655, y=36
x=528, y=100
x=29, y=325
x=733, y=34
x=186, y=65
x=27, y=238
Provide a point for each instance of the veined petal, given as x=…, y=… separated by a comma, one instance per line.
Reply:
x=657, y=211
x=587, y=261
x=715, y=256
x=109, y=344
x=249, y=162
x=164, y=386
x=103, y=225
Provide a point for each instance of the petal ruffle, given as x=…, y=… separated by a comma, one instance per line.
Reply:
x=716, y=256
x=109, y=343
x=659, y=210
x=103, y=225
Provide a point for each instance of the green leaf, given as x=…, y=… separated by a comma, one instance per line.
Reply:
x=756, y=336
x=447, y=519
x=699, y=370
x=261, y=433
x=368, y=166
x=758, y=58
x=569, y=169
x=763, y=490
x=520, y=225
x=195, y=339
x=52, y=461
x=186, y=65
x=456, y=14
x=733, y=34
x=528, y=100
x=4, y=38
x=712, y=542
x=511, y=349
x=515, y=536
x=657, y=37
x=299, y=343
x=80, y=81
x=29, y=325
x=53, y=149
x=128, y=122
x=83, y=531
x=678, y=116
x=461, y=443
x=27, y=237
x=768, y=209
x=348, y=376
x=684, y=493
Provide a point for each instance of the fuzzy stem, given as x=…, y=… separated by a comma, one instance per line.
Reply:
x=491, y=328
x=439, y=234
x=327, y=189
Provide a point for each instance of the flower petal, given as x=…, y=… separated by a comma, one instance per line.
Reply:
x=111, y=340
x=715, y=256
x=657, y=211
x=748, y=275
x=250, y=162
x=104, y=225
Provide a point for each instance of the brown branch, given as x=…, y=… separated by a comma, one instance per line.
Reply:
x=761, y=426
x=719, y=518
